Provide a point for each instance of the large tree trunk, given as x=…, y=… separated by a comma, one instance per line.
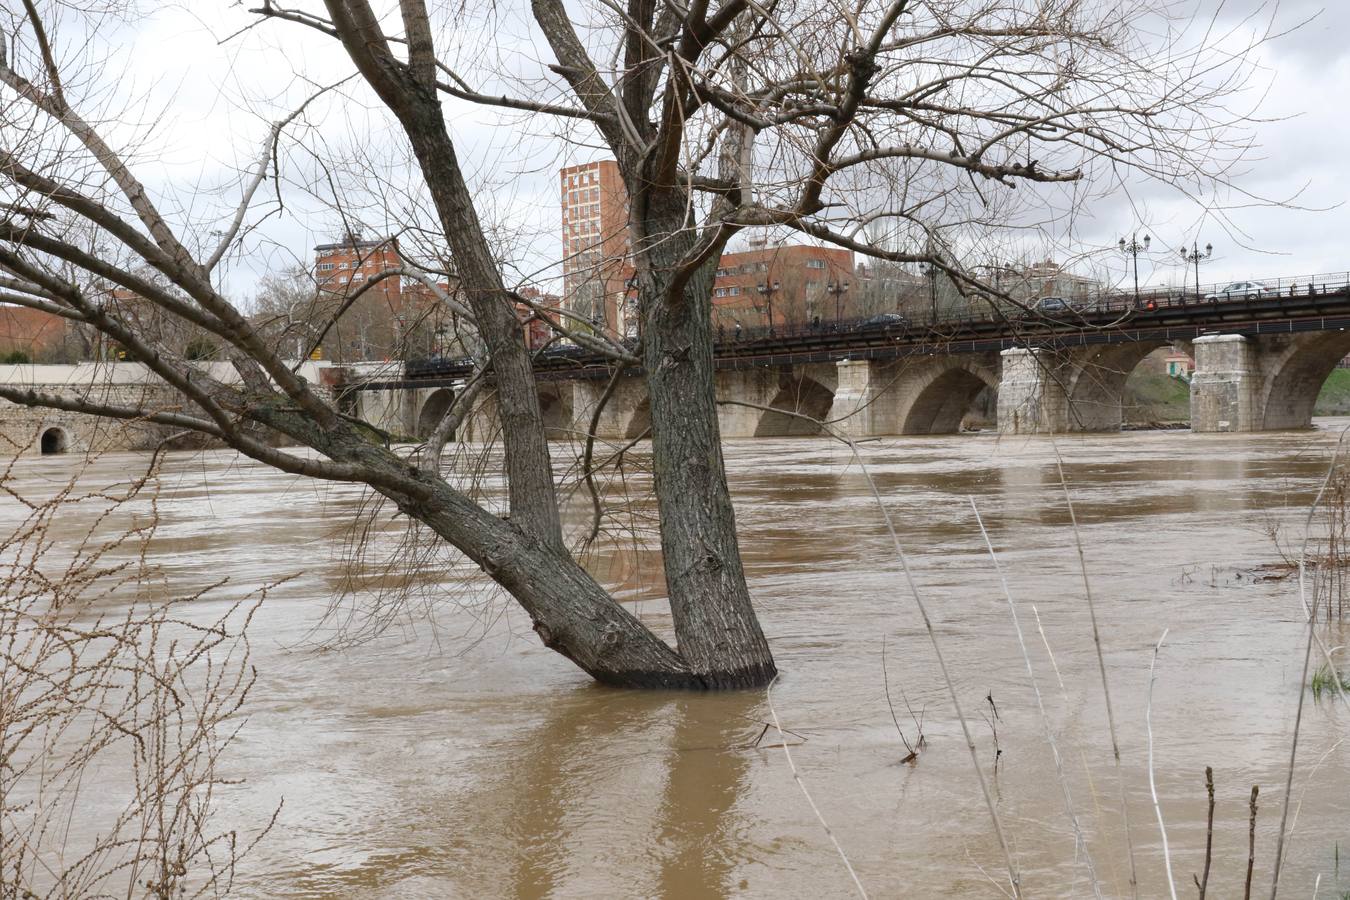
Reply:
x=719, y=635
x=720, y=642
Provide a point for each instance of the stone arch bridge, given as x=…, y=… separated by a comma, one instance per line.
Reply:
x=1263, y=376
x=1264, y=381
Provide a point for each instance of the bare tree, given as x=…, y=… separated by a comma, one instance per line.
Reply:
x=914, y=124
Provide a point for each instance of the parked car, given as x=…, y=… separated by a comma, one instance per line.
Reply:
x=884, y=322
x=1241, y=290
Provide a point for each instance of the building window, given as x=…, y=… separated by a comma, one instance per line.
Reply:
x=342, y=265
x=720, y=292
x=721, y=272
x=358, y=277
x=815, y=263
x=342, y=279
x=324, y=267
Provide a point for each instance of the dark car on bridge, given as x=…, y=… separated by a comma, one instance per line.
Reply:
x=884, y=322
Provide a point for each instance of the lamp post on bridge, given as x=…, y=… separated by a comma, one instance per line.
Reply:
x=1193, y=256
x=1133, y=247
x=837, y=290
x=931, y=271
x=767, y=290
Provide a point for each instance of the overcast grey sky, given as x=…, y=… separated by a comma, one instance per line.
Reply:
x=216, y=98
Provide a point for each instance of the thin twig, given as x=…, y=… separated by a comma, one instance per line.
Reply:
x=1203, y=883
x=886, y=684
x=1251, y=844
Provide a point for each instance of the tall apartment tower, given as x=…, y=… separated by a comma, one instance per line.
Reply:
x=596, y=247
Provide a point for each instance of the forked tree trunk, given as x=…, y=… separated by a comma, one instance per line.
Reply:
x=715, y=623
x=720, y=642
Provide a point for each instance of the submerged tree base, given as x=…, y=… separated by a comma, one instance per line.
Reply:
x=748, y=678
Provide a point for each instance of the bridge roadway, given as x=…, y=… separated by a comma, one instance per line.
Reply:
x=1259, y=366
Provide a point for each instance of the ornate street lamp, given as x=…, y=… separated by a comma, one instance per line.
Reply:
x=1133, y=247
x=767, y=290
x=931, y=271
x=1194, y=256
x=837, y=290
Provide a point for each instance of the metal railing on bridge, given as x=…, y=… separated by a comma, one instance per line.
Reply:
x=988, y=311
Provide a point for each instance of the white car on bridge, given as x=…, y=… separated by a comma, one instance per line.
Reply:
x=1242, y=290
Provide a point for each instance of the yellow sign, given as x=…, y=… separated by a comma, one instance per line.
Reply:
x=316, y=353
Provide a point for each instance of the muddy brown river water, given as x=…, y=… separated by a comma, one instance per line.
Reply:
x=452, y=756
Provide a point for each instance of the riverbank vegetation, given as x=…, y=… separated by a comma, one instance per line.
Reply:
x=1325, y=681
x=116, y=708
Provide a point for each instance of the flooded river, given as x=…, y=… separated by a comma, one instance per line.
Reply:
x=452, y=756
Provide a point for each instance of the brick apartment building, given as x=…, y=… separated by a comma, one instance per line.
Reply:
x=798, y=283
x=32, y=334
x=786, y=285
x=375, y=324
x=397, y=316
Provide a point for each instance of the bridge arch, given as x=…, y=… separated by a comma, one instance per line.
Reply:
x=555, y=407
x=640, y=420
x=433, y=410
x=943, y=396
x=1294, y=378
x=797, y=397
x=1095, y=385
x=54, y=440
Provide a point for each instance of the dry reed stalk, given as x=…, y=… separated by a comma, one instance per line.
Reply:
x=1152, y=784
x=1313, y=637
x=1310, y=610
x=1101, y=666
x=1080, y=841
x=796, y=776
x=1014, y=880
x=1251, y=844
x=1203, y=882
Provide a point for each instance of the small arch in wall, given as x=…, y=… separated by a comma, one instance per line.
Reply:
x=53, y=441
x=437, y=405
x=640, y=421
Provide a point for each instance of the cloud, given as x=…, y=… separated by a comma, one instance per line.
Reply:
x=216, y=99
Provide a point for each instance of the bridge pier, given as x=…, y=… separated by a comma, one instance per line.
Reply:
x=1079, y=389
x=855, y=411
x=1226, y=385
x=1031, y=395
x=1266, y=382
